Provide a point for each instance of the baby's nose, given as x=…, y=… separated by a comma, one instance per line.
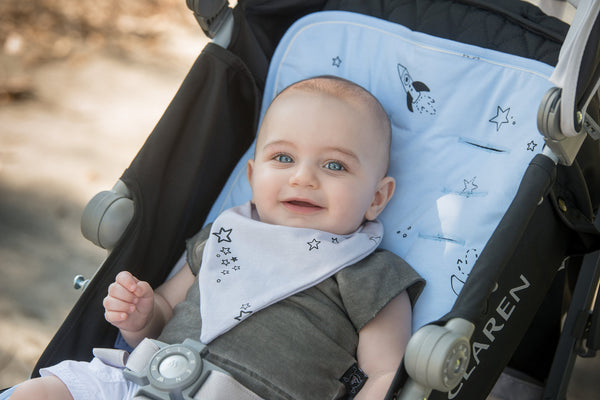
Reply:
x=304, y=176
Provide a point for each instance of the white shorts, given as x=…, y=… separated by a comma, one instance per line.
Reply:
x=92, y=380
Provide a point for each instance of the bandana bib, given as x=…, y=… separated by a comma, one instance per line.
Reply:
x=248, y=265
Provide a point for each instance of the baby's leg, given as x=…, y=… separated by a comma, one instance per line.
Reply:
x=46, y=388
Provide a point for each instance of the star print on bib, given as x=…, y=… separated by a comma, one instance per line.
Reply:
x=248, y=265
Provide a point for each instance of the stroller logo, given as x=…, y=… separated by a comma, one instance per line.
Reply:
x=417, y=98
x=499, y=319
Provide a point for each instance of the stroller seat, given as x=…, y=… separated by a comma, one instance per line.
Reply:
x=464, y=131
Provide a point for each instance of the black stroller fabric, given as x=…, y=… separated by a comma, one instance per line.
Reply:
x=218, y=96
x=180, y=170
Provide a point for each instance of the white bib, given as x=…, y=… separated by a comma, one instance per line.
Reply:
x=248, y=265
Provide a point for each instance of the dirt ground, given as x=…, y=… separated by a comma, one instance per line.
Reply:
x=79, y=92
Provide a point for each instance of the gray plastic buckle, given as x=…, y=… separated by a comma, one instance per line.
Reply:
x=175, y=372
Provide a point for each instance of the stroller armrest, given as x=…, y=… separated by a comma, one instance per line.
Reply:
x=107, y=215
x=436, y=358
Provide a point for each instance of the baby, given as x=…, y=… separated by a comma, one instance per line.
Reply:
x=312, y=299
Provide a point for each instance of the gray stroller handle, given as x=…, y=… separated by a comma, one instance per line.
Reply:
x=562, y=116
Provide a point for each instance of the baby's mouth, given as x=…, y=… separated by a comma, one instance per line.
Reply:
x=301, y=206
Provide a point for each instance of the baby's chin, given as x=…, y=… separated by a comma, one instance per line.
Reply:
x=303, y=225
x=339, y=231
x=309, y=222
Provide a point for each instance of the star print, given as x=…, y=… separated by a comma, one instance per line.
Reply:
x=314, y=244
x=236, y=267
x=374, y=238
x=225, y=262
x=242, y=315
x=225, y=250
x=234, y=259
x=223, y=235
x=531, y=146
x=500, y=118
x=334, y=240
x=245, y=306
x=337, y=61
x=225, y=272
x=470, y=186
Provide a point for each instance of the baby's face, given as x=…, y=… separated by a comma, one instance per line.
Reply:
x=318, y=164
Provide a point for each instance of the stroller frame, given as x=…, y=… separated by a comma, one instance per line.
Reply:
x=583, y=321
x=471, y=303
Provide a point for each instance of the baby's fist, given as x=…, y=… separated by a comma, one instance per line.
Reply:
x=129, y=303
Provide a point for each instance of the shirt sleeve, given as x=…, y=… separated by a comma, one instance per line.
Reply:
x=369, y=285
x=195, y=248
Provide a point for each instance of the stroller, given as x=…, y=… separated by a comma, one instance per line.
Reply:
x=509, y=307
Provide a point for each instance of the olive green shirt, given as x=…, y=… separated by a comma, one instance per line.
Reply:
x=299, y=347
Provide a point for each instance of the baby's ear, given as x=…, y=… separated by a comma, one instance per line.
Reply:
x=249, y=170
x=383, y=194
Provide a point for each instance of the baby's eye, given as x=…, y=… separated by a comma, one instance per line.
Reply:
x=283, y=158
x=334, y=166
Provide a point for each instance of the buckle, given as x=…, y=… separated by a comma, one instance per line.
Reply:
x=173, y=372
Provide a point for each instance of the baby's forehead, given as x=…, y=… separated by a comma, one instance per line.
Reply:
x=370, y=132
x=358, y=98
x=304, y=103
x=360, y=102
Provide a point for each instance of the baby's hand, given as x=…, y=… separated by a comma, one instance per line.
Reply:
x=129, y=304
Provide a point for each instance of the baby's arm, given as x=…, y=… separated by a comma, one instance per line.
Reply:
x=137, y=310
x=381, y=345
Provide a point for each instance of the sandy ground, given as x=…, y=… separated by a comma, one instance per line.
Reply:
x=89, y=116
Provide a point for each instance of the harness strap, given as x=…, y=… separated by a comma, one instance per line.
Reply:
x=141, y=355
x=219, y=386
x=113, y=357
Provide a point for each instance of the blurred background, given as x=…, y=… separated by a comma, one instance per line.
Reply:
x=82, y=83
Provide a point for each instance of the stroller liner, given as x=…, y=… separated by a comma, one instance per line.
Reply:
x=406, y=209
x=467, y=141
x=178, y=173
